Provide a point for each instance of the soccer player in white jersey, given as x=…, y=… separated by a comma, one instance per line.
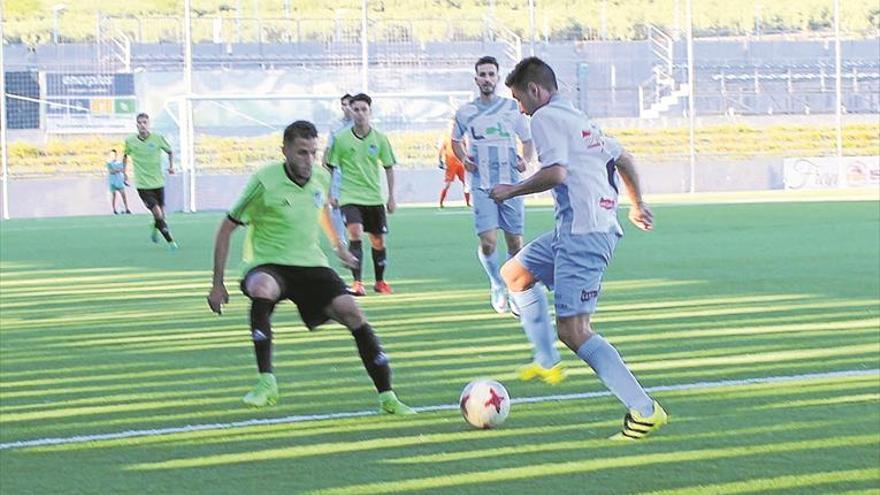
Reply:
x=582, y=167
x=489, y=125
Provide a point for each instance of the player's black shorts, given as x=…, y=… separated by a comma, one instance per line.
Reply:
x=152, y=197
x=371, y=217
x=311, y=288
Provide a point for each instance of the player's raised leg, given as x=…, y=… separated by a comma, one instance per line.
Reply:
x=523, y=275
x=344, y=309
x=264, y=292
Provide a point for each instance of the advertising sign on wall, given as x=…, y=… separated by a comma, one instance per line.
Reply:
x=92, y=103
x=825, y=173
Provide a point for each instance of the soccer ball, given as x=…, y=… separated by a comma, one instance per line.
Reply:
x=484, y=404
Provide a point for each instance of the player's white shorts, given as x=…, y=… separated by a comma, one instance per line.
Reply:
x=509, y=216
x=572, y=266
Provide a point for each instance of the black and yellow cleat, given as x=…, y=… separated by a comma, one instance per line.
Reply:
x=637, y=427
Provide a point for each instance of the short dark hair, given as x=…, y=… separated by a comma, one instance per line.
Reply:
x=142, y=114
x=488, y=59
x=362, y=97
x=531, y=70
x=300, y=129
x=346, y=96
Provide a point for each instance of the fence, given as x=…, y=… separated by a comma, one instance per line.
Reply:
x=756, y=101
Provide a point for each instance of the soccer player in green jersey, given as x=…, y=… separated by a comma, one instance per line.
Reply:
x=359, y=152
x=284, y=205
x=145, y=150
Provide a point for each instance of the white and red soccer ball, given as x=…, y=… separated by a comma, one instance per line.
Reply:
x=484, y=404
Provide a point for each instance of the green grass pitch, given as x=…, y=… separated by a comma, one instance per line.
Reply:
x=103, y=332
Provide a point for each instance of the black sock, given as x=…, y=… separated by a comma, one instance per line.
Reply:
x=374, y=358
x=261, y=332
x=163, y=229
x=379, y=263
x=356, y=250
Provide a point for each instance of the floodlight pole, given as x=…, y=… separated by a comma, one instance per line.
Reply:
x=365, y=53
x=838, y=100
x=187, y=143
x=4, y=172
x=532, y=27
x=689, y=25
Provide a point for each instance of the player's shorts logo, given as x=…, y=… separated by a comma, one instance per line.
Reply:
x=607, y=203
x=586, y=295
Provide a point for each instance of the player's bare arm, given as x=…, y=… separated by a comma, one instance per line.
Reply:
x=527, y=157
x=543, y=180
x=170, y=162
x=338, y=244
x=441, y=159
x=125, y=169
x=639, y=213
x=218, y=295
x=392, y=203
x=458, y=149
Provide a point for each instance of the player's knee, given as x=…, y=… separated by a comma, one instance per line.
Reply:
x=377, y=241
x=573, y=331
x=515, y=276
x=514, y=244
x=345, y=310
x=487, y=245
x=261, y=285
x=354, y=234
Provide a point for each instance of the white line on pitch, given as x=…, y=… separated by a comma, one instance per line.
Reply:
x=442, y=407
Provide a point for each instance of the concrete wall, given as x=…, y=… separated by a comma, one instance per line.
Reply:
x=89, y=195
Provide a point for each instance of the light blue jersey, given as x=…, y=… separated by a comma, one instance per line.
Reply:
x=490, y=130
x=336, y=178
x=116, y=178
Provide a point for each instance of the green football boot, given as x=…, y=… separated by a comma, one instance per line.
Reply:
x=390, y=404
x=264, y=393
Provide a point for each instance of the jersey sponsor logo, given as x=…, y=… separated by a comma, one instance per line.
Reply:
x=491, y=131
x=319, y=199
x=586, y=295
x=607, y=203
x=373, y=150
x=587, y=135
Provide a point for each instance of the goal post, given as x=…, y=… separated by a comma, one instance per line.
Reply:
x=225, y=137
